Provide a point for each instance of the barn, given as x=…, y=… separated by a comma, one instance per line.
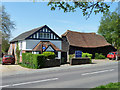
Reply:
x=86, y=42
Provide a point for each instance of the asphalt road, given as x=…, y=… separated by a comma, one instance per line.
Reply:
x=83, y=77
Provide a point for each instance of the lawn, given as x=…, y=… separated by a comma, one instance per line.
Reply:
x=115, y=86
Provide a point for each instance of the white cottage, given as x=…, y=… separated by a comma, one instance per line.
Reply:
x=37, y=41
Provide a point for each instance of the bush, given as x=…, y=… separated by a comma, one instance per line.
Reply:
x=71, y=56
x=49, y=55
x=111, y=86
x=34, y=61
x=87, y=55
x=99, y=56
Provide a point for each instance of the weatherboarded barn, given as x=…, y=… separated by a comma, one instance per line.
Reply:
x=85, y=42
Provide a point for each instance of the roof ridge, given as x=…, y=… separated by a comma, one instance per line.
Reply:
x=81, y=32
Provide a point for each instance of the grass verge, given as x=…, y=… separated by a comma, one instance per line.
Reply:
x=110, y=86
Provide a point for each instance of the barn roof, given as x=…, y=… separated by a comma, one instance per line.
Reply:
x=86, y=40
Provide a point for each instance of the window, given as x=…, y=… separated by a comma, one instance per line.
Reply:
x=35, y=35
x=8, y=56
x=41, y=35
x=51, y=36
x=45, y=35
x=48, y=35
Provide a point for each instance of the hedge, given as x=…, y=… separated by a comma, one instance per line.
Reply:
x=87, y=55
x=34, y=61
x=49, y=55
x=99, y=56
x=83, y=55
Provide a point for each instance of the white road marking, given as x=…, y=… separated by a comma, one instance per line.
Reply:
x=97, y=72
x=52, y=79
x=5, y=86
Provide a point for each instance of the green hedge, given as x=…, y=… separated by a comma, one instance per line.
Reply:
x=99, y=56
x=34, y=61
x=49, y=55
x=87, y=55
x=83, y=55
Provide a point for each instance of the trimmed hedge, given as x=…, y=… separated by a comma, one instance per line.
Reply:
x=49, y=55
x=34, y=61
x=99, y=56
x=87, y=55
x=83, y=55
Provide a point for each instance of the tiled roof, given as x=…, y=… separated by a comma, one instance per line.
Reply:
x=45, y=44
x=26, y=34
x=86, y=40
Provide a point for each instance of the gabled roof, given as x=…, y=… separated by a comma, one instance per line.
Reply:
x=46, y=44
x=86, y=40
x=26, y=34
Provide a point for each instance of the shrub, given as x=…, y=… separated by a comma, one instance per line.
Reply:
x=49, y=55
x=87, y=55
x=33, y=60
x=71, y=56
x=99, y=56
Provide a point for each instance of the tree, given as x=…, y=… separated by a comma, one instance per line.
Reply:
x=86, y=7
x=6, y=26
x=110, y=28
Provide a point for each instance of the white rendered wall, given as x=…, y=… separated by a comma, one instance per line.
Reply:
x=24, y=45
x=59, y=55
x=30, y=44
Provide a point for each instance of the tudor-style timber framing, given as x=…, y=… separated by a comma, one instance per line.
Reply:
x=29, y=40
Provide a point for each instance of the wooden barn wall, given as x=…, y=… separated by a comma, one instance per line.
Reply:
x=104, y=50
x=65, y=44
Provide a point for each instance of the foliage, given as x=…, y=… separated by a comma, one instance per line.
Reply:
x=86, y=7
x=83, y=55
x=110, y=85
x=34, y=61
x=87, y=55
x=18, y=53
x=5, y=44
x=0, y=60
x=71, y=56
x=110, y=28
x=99, y=56
x=6, y=26
x=49, y=55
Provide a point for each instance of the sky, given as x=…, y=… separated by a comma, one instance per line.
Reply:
x=30, y=15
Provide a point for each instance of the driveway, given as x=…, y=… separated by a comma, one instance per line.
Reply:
x=16, y=69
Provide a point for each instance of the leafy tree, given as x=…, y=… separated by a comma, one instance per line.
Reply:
x=110, y=28
x=86, y=7
x=6, y=26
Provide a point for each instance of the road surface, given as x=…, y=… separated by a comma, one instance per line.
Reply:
x=80, y=77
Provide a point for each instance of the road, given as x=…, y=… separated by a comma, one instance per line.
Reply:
x=83, y=77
